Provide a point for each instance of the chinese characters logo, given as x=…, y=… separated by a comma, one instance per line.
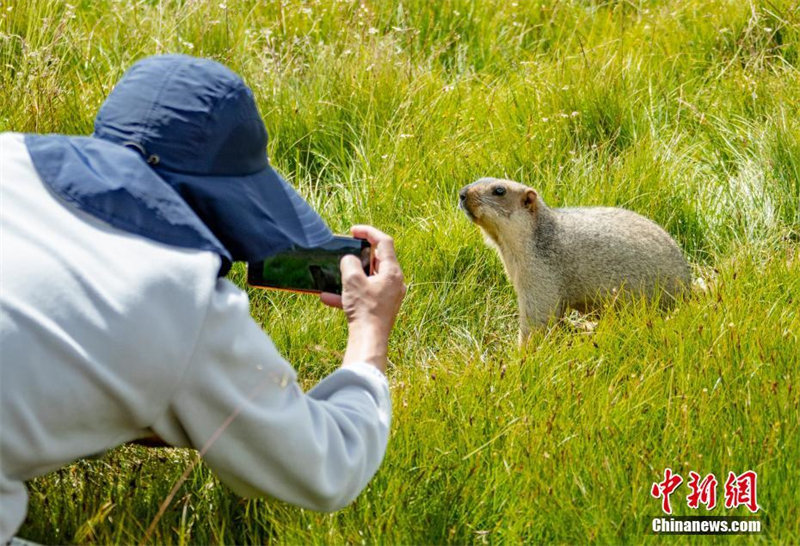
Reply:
x=739, y=490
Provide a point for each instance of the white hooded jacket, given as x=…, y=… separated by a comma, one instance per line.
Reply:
x=106, y=337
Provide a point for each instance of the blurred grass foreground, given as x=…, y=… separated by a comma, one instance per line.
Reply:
x=686, y=111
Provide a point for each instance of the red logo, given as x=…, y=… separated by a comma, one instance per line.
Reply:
x=739, y=490
x=664, y=489
x=703, y=492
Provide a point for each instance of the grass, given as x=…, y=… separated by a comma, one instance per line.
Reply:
x=685, y=111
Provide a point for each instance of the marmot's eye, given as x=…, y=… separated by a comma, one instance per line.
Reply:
x=499, y=190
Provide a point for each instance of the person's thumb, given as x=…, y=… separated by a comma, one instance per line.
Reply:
x=350, y=266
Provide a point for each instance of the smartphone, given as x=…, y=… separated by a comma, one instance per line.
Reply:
x=309, y=270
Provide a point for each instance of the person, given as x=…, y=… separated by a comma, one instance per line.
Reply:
x=116, y=322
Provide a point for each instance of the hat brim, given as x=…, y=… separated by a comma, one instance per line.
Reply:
x=255, y=215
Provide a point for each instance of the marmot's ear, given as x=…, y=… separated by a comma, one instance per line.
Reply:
x=529, y=200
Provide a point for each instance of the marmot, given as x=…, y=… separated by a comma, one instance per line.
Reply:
x=572, y=257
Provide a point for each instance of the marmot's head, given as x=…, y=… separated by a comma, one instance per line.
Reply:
x=497, y=205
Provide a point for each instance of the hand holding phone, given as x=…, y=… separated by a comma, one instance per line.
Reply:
x=310, y=270
x=371, y=303
x=358, y=274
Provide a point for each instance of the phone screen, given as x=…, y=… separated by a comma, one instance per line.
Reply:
x=309, y=269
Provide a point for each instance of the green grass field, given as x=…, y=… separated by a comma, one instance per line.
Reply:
x=685, y=111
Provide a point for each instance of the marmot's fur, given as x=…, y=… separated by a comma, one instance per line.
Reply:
x=572, y=257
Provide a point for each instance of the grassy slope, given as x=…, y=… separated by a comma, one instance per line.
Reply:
x=684, y=111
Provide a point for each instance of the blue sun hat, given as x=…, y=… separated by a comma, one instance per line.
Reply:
x=178, y=155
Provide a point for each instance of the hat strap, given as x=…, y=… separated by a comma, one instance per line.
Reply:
x=152, y=159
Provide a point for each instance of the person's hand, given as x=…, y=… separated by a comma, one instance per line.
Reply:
x=370, y=303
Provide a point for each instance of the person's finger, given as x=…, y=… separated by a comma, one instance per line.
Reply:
x=378, y=239
x=371, y=234
x=331, y=300
x=350, y=266
x=381, y=242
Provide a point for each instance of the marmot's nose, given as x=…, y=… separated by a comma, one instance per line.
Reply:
x=463, y=193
